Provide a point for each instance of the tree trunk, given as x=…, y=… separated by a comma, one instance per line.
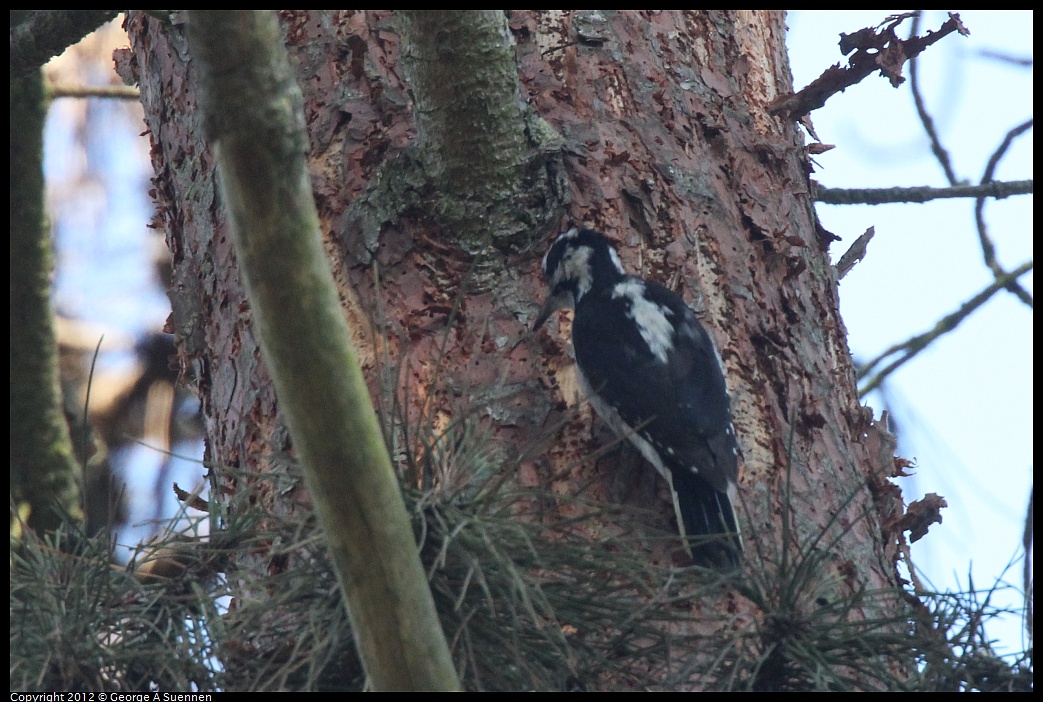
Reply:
x=667, y=146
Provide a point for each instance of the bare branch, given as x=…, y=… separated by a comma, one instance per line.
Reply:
x=115, y=92
x=254, y=110
x=882, y=196
x=874, y=51
x=45, y=34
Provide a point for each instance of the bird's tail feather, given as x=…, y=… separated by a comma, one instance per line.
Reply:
x=706, y=520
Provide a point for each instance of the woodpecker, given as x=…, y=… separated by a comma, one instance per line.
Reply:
x=652, y=373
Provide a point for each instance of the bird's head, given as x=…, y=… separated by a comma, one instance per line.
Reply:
x=579, y=260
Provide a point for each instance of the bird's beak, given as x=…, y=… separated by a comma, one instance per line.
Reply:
x=552, y=305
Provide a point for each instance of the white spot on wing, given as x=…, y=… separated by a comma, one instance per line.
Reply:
x=651, y=319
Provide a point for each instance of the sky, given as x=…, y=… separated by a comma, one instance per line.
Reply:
x=964, y=406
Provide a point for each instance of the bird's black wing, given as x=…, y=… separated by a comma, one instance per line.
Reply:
x=677, y=398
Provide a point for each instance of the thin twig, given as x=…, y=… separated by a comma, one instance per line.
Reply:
x=987, y=248
x=911, y=347
x=940, y=152
x=1004, y=57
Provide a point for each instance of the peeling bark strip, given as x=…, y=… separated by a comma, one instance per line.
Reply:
x=877, y=49
x=855, y=253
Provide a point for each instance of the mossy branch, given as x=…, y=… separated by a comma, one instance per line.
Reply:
x=253, y=112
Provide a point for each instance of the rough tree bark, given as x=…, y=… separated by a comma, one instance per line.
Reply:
x=667, y=146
